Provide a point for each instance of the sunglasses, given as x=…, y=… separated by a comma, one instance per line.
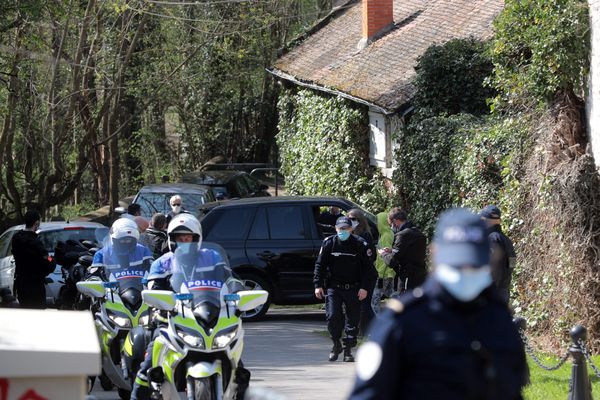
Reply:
x=353, y=218
x=176, y=204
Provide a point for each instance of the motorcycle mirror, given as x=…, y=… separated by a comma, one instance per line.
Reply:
x=231, y=297
x=111, y=285
x=91, y=288
x=184, y=296
x=160, y=299
x=251, y=299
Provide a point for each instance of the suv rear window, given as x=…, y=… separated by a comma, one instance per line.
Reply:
x=230, y=225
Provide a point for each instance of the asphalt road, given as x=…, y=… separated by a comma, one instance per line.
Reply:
x=287, y=356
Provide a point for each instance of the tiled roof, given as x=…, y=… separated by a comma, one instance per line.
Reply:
x=381, y=73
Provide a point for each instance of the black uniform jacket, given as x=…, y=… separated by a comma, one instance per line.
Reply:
x=154, y=240
x=503, y=257
x=344, y=262
x=428, y=346
x=31, y=258
x=408, y=256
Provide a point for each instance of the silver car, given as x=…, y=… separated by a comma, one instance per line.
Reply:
x=50, y=233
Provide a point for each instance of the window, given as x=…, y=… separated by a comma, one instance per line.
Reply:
x=50, y=238
x=5, y=248
x=260, y=230
x=152, y=203
x=286, y=222
x=231, y=224
x=380, y=143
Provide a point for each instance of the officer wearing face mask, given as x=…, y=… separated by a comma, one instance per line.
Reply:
x=122, y=250
x=452, y=338
x=184, y=235
x=343, y=275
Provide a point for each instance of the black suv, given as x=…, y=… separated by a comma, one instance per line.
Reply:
x=273, y=242
x=228, y=184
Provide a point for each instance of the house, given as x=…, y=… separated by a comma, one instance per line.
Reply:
x=366, y=52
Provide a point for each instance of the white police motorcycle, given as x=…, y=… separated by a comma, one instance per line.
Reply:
x=196, y=353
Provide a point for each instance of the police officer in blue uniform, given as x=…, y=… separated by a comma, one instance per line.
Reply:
x=343, y=274
x=452, y=338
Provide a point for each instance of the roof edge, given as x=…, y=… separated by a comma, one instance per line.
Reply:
x=335, y=11
x=283, y=75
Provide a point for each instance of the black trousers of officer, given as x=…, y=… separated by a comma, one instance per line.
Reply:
x=336, y=296
x=31, y=294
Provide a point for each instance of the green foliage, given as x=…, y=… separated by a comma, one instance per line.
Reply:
x=451, y=78
x=323, y=144
x=447, y=155
x=541, y=47
x=426, y=166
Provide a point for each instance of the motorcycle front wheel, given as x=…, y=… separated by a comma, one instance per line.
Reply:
x=201, y=389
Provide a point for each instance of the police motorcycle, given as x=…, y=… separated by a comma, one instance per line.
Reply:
x=197, y=351
x=120, y=315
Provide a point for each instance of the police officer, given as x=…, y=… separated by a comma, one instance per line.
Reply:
x=451, y=339
x=32, y=263
x=184, y=234
x=503, y=252
x=343, y=273
x=408, y=253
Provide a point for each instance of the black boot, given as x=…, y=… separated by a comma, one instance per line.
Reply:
x=335, y=350
x=348, y=357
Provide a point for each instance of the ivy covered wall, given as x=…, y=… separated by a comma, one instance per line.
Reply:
x=324, y=149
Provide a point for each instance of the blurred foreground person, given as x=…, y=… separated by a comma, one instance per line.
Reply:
x=451, y=339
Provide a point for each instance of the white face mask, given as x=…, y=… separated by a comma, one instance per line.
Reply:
x=463, y=284
x=354, y=224
x=176, y=209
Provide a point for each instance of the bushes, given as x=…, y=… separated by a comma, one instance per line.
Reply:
x=323, y=146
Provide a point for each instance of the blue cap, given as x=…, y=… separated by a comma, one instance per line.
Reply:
x=461, y=239
x=343, y=222
x=490, y=212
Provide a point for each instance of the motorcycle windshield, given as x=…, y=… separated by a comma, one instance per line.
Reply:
x=201, y=271
x=123, y=266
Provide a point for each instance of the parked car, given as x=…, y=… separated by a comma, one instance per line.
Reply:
x=155, y=198
x=228, y=184
x=273, y=243
x=50, y=233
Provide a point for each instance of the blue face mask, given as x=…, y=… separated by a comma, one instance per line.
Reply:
x=463, y=284
x=343, y=235
x=184, y=248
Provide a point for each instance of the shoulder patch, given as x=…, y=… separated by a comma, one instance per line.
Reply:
x=395, y=305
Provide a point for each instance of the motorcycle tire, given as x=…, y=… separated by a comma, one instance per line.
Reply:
x=105, y=382
x=124, y=394
x=204, y=388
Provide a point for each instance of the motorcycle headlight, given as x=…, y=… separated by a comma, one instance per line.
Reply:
x=120, y=321
x=144, y=319
x=225, y=337
x=191, y=339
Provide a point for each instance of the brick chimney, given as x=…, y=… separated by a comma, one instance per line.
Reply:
x=377, y=19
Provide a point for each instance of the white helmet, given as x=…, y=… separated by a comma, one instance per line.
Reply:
x=187, y=224
x=124, y=227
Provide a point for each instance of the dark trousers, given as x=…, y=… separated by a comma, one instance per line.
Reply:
x=335, y=314
x=366, y=312
x=31, y=294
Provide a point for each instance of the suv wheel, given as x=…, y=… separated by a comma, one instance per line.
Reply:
x=252, y=282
